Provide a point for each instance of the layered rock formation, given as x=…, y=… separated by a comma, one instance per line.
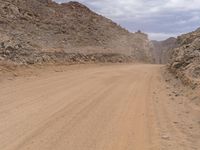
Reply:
x=36, y=31
x=185, y=59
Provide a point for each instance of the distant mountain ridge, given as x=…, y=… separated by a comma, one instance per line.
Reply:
x=162, y=50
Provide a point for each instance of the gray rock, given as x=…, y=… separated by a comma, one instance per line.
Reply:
x=165, y=137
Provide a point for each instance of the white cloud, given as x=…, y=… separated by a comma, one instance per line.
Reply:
x=142, y=8
x=183, y=4
x=161, y=36
x=120, y=8
x=190, y=20
x=161, y=18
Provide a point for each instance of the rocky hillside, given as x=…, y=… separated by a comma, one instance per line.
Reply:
x=162, y=50
x=185, y=61
x=34, y=31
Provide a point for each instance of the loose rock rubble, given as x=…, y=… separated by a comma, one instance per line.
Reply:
x=185, y=61
x=36, y=31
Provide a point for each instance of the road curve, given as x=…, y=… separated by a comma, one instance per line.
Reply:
x=96, y=108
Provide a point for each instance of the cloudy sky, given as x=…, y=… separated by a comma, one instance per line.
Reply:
x=159, y=18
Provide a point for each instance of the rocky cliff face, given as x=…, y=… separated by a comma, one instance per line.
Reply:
x=161, y=50
x=32, y=30
x=185, y=59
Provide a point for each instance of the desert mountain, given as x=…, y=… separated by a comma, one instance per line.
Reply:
x=34, y=31
x=185, y=59
x=162, y=50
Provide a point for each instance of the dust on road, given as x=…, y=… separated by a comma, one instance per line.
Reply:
x=115, y=107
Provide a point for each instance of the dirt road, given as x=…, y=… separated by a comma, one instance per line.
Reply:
x=115, y=107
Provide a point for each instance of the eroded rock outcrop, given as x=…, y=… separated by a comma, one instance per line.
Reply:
x=31, y=29
x=185, y=59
